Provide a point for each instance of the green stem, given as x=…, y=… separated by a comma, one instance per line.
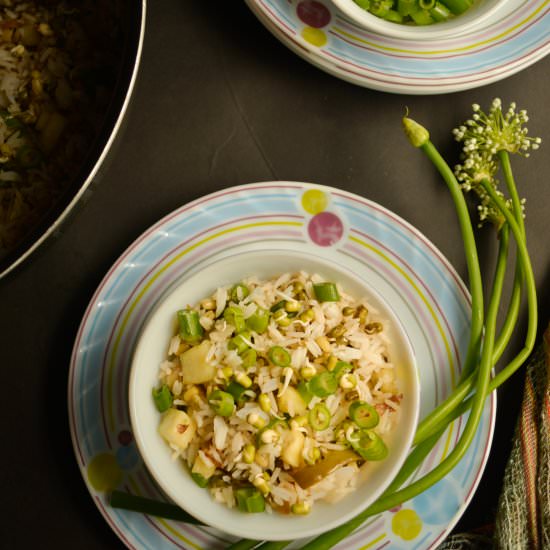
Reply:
x=245, y=544
x=470, y=250
x=504, y=158
x=329, y=539
x=525, y=268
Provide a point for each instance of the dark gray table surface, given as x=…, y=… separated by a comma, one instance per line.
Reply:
x=220, y=102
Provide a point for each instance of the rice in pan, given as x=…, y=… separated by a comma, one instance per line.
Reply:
x=276, y=393
x=58, y=64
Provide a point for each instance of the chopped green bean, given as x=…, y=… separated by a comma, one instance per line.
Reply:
x=221, y=402
x=163, y=398
x=323, y=384
x=190, y=329
x=258, y=321
x=326, y=292
x=234, y=316
x=369, y=445
x=239, y=292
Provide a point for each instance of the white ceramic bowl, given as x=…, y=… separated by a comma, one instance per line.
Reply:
x=457, y=26
x=173, y=477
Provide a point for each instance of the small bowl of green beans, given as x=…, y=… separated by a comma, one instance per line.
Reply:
x=274, y=400
x=419, y=19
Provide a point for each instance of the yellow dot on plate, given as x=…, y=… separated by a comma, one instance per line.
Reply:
x=406, y=524
x=314, y=201
x=104, y=473
x=316, y=37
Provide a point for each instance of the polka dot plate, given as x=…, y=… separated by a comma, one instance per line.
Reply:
x=510, y=41
x=398, y=261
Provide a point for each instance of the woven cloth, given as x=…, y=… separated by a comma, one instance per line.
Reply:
x=523, y=514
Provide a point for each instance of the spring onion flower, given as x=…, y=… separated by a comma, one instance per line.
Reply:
x=486, y=139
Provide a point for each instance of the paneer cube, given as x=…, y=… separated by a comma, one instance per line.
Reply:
x=195, y=369
x=291, y=402
x=177, y=427
x=293, y=445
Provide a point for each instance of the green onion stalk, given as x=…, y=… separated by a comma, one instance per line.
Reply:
x=488, y=141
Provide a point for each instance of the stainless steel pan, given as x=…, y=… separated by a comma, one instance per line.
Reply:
x=133, y=26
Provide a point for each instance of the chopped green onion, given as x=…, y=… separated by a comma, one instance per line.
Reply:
x=237, y=391
x=319, y=417
x=457, y=6
x=239, y=342
x=323, y=384
x=426, y=4
x=440, y=12
x=365, y=4
x=249, y=358
x=369, y=445
x=326, y=292
x=126, y=501
x=341, y=368
x=380, y=7
x=239, y=292
x=234, y=316
x=304, y=392
x=363, y=414
x=422, y=17
x=258, y=321
x=278, y=306
x=406, y=7
x=199, y=479
x=190, y=328
x=163, y=398
x=222, y=403
x=279, y=356
x=394, y=16
x=249, y=500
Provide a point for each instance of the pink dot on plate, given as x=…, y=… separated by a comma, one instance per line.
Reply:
x=313, y=13
x=325, y=229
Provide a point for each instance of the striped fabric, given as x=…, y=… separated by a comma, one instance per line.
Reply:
x=523, y=518
x=523, y=515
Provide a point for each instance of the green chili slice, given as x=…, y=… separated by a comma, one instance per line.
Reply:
x=326, y=292
x=279, y=356
x=363, y=414
x=323, y=384
x=163, y=398
x=258, y=321
x=319, y=417
x=222, y=403
x=234, y=316
x=239, y=292
x=369, y=445
x=190, y=328
x=237, y=391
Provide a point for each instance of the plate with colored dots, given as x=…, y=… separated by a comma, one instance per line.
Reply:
x=513, y=39
x=398, y=261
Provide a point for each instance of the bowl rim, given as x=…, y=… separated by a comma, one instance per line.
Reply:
x=247, y=530
x=463, y=24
